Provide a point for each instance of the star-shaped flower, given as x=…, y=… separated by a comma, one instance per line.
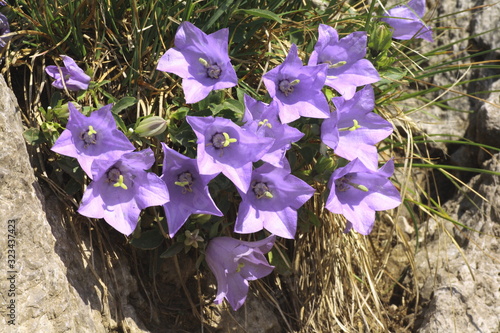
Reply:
x=201, y=60
x=225, y=147
x=297, y=88
x=188, y=190
x=4, y=29
x=70, y=76
x=91, y=138
x=347, y=68
x=236, y=262
x=262, y=119
x=121, y=189
x=407, y=21
x=353, y=130
x=357, y=192
x=271, y=202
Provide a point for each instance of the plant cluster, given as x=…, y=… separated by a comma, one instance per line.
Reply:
x=326, y=107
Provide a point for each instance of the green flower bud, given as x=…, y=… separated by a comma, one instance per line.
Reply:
x=381, y=38
x=151, y=126
x=324, y=164
x=61, y=112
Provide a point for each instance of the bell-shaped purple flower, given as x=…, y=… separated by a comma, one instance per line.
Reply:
x=271, y=202
x=236, y=262
x=353, y=130
x=347, y=68
x=4, y=29
x=357, y=191
x=262, y=119
x=188, y=190
x=407, y=21
x=297, y=88
x=70, y=76
x=91, y=138
x=201, y=60
x=121, y=189
x=225, y=147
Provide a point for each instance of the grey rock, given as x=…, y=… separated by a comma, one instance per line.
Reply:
x=255, y=316
x=488, y=119
x=60, y=282
x=461, y=32
x=458, y=268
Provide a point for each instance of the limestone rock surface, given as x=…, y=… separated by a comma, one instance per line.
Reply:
x=459, y=267
x=58, y=280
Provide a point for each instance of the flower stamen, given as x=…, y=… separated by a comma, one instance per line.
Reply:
x=287, y=87
x=185, y=180
x=265, y=122
x=240, y=266
x=89, y=137
x=336, y=65
x=344, y=183
x=261, y=190
x=213, y=70
x=352, y=128
x=120, y=183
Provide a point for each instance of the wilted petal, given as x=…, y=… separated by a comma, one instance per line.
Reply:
x=407, y=21
x=73, y=77
x=234, y=262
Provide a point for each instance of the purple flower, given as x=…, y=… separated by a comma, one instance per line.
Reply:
x=225, y=147
x=201, y=60
x=353, y=130
x=357, y=192
x=271, y=202
x=407, y=21
x=262, y=119
x=4, y=29
x=297, y=88
x=187, y=188
x=70, y=76
x=347, y=68
x=121, y=189
x=236, y=262
x=91, y=138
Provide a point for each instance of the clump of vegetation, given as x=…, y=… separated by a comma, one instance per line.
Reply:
x=257, y=138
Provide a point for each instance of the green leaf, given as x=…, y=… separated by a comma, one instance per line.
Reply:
x=123, y=103
x=235, y=106
x=264, y=13
x=172, y=250
x=33, y=136
x=280, y=261
x=148, y=240
x=392, y=74
x=180, y=113
x=120, y=122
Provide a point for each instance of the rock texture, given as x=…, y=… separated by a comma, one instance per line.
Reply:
x=256, y=316
x=459, y=268
x=468, y=32
x=57, y=283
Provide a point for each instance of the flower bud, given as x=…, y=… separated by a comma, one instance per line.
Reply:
x=151, y=126
x=381, y=38
x=61, y=112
